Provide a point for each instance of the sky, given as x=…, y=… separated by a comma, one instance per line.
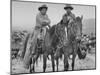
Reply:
x=24, y=13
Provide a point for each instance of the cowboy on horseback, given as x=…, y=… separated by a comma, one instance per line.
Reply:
x=72, y=45
x=67, y=18
x=70, y=16
x=42, y=21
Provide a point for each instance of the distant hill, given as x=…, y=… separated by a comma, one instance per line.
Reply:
x=89, y=26
x=17, y=28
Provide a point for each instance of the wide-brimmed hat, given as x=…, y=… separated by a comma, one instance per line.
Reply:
x=68, y=6
x=43, y=6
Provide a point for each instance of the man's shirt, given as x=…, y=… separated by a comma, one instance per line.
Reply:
x=42, y=18
x=70, y=17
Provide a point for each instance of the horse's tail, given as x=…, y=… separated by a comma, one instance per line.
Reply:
x=25, y=45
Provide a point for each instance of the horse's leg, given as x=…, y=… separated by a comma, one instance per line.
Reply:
x=44, y=61
x=40, y=57
x=73, y=61
x=33, y=60
x=53, y=63
x=66, y=64
x=48, y=57
x=36, y=60
x=41, y=54
x=33, y=65
x=74, y=48
x=57, y=63
x=30, y=65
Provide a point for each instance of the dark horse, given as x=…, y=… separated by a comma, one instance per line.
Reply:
x=49, y=46
x=73, y=45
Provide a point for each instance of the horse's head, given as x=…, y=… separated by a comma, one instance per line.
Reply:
x=75, y=28
x=79, y=27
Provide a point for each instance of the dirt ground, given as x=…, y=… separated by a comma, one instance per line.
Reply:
x=87, y=63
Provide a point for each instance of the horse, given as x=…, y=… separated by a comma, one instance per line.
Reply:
x=54, y=38
x=72, y=45
x=49, y=47
x=39, y=50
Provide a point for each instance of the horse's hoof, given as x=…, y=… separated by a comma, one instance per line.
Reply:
x=72, y=69
x=43, y=71
x=65, y=69
x=30, y=71
x=53, y=71
x=57, y=70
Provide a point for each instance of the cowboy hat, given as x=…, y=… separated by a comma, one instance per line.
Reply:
x=43, y=6
x=68, y=6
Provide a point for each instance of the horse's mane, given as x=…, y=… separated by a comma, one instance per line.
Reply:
x=52, y=30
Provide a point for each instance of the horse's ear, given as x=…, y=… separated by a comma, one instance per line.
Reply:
x=81, y=17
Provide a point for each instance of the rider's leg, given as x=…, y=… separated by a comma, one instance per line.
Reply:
x=34, y=40
x=31, y=48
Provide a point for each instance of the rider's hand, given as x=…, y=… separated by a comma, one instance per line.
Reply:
x=48, y=25
x=44, y=24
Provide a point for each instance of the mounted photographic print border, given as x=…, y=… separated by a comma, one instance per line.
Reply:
x=23, y=20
